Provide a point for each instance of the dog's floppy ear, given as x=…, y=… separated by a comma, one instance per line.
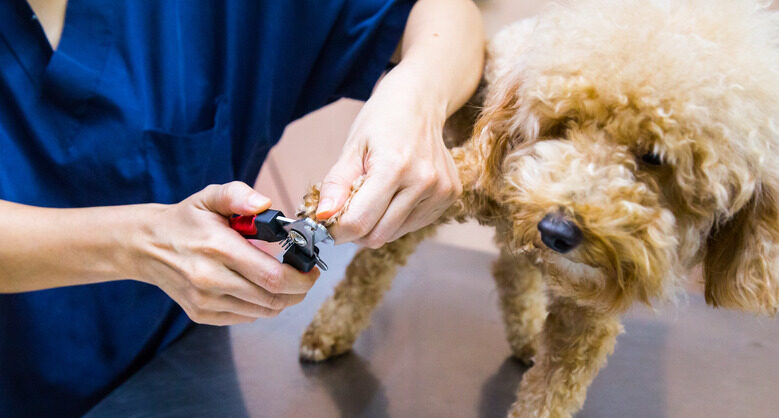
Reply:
x=499, y=122
x=493, y=134
x=740, y=265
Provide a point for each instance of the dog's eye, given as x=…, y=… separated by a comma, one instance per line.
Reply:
x=652, y=159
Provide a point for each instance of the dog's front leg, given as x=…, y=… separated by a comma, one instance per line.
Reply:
x=573, y=347
x=345, y=314
x=522, y=301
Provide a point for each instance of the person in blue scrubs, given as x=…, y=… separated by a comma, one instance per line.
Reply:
x=129, y=131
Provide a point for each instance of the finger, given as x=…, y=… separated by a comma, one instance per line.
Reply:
x=264, y=270
x=249, y=292
x=394, y=217
x=430, y=209
x=232, y=304
x=368, y=205
x=337, y=185
x=423, y=215
x=223, y=319
x=232, y=198
x=210, y=317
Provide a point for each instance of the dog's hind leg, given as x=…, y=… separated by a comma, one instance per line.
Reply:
x=522, y=300
x=348, y=311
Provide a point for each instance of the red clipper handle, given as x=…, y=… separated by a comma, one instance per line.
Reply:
x=263, y=226
x=244, y=224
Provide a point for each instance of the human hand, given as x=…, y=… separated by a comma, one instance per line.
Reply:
x=218, y=277
x=410, y=178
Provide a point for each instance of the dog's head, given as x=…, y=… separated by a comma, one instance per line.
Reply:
x=629, y=140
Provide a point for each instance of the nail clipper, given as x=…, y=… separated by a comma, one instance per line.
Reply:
x=298, y=236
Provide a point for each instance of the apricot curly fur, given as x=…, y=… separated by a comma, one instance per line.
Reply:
x=578, y=105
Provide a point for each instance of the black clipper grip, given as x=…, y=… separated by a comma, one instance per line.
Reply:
x=268, y=229
x=299, y=260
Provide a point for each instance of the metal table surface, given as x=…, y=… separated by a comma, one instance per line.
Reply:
x=436, y=348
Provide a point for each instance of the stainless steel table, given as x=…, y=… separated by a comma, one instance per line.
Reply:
x=436, y=348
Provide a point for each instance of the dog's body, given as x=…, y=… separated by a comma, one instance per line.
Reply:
x=620, y=143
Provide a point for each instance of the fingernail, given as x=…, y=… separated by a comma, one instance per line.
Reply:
x=324, y=207
x=257, y=201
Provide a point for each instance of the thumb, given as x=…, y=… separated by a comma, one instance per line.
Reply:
x=337, y=185
x=233, y=198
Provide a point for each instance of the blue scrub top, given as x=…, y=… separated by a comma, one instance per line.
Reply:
x=150, y=101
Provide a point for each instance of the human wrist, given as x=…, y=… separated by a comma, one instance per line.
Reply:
x=416, y=91
x=133, y=238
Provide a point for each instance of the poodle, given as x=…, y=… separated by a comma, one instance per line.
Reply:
x=616, y=145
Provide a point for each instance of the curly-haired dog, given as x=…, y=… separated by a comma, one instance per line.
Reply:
x=620, y=143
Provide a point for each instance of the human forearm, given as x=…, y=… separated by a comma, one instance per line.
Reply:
x=43, y=248
x=186, y=249
x=396, y=142
x=442, y=52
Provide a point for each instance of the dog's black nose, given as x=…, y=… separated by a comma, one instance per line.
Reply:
x=559, y=233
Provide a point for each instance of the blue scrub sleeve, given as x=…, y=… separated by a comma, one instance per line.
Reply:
x=357, y=51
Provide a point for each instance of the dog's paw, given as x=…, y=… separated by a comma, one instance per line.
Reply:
x=525, y=359
x=524, y=354
x=320, y=347
x=307, y=208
